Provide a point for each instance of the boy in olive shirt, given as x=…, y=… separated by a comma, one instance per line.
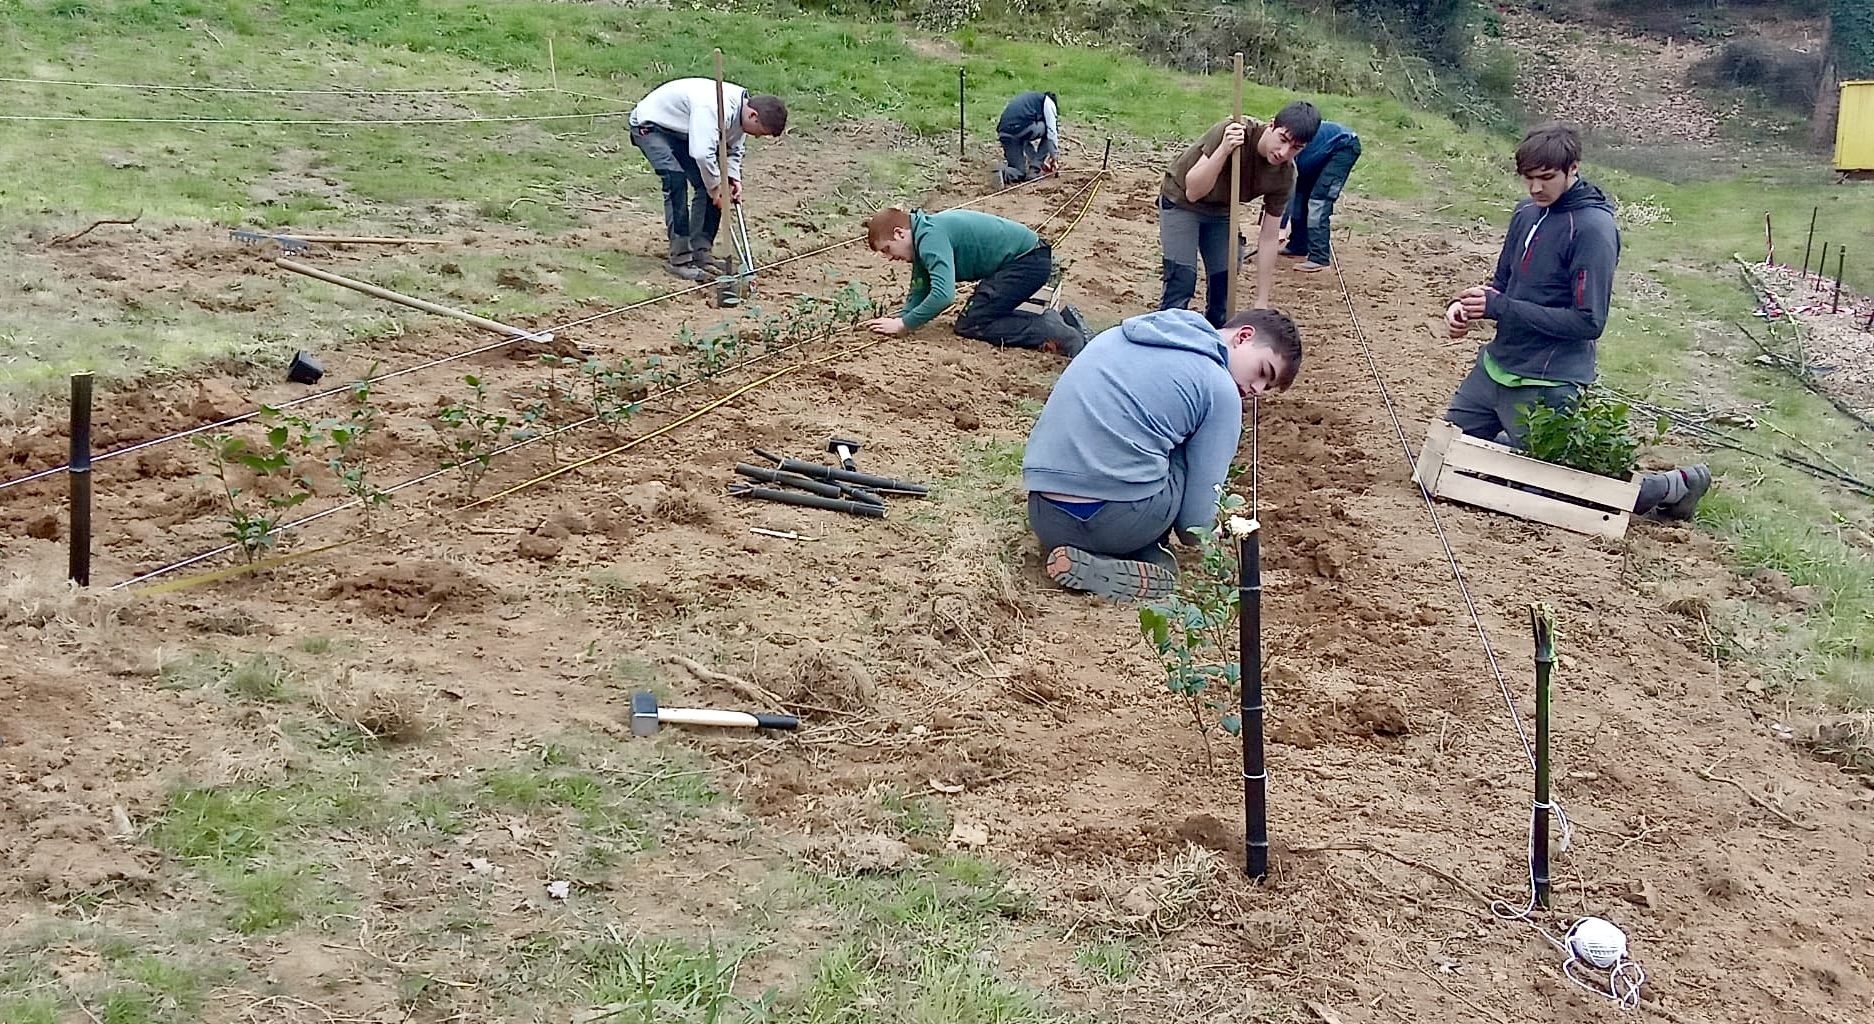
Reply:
x=1194, y=204
x=1009, y=260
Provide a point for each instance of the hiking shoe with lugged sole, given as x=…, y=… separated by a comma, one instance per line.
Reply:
x=1115, y=579
x=1697, y=483
x=1310, y=267
x=687, y=271
x=1071, y=314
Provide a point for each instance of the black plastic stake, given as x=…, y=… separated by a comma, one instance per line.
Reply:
x=857, y=508
x=1823, y=262
x=1249, y=644
x=959, y=112
x=1813, y=212
x=1841, y=262
x=1539, y=823
x=1106, y=155
x=79, y=469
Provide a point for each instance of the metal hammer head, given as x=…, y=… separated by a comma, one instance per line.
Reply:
x=643, y=713
x=844, y=447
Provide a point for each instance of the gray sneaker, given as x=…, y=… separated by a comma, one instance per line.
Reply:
x=688, y=271
x=1697, y=483
x=1116, y=579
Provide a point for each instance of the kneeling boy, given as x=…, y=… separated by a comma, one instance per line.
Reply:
x=1137, y=437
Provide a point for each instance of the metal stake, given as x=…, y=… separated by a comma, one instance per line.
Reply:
x=1841, y=260
x=79, y=469
x=959, y=113
x=1106, y=155
x=1813, y=212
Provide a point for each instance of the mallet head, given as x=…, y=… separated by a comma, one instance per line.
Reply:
x=643, y=713
x=845, y=448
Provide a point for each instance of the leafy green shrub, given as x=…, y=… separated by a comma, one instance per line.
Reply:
x=1593, y=436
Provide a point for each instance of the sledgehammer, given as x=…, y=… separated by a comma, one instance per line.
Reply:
x=646, y=717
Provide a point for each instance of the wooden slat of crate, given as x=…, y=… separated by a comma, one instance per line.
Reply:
x=1449, y=459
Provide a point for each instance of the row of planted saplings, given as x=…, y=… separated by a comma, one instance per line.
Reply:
x=260, y=480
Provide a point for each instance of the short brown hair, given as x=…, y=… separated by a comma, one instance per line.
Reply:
x=882, y=224
x=772, y=111
x=1549, y=147
x=1276, y=330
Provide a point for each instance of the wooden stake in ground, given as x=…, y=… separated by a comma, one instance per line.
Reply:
x=1236, y=193
x=722, y=140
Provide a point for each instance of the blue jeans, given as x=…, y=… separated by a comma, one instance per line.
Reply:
x=691, y=219
x=1310, y=212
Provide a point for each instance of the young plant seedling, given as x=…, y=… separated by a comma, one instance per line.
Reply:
x=1193, y=632
x=473, y=433
x=1593, y=436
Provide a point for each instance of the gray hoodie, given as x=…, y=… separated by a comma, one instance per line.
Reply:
x=1555, y=278
x=1154, y=383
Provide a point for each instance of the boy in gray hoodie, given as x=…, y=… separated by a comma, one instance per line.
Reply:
x=1137, y=438
x=1549, y=297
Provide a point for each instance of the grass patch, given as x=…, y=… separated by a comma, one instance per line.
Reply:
x=627, y=808
x=1110, y=960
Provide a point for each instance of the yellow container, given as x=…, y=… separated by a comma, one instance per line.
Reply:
x=1854, y=129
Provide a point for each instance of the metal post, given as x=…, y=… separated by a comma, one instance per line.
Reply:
x=1823, y=262
x=1249, y=643
x=1813, y=212
x=1106, y=155
x=1841, y=263
x=959, y=113
x=1539, y=823
x=79, y=469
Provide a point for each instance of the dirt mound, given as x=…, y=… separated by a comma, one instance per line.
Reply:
x=415, y=591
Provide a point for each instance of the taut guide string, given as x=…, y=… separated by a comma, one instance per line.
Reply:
x=1590, y=940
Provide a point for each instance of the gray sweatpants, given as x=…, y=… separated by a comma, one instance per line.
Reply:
x=1483, y=408
x=1132, y=530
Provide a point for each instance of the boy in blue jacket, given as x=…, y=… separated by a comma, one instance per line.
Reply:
x=1030, y=135
x=1321, y=170
x=1008, y=261
x=1549, y=297
x=1137, y=438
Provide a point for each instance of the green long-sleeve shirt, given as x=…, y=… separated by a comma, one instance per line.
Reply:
x=957, y=245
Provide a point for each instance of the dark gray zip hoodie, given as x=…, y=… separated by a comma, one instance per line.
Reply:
x=1555, y=278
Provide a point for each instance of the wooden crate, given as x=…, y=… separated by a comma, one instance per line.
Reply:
x=1454, y=467
x=1040, y=301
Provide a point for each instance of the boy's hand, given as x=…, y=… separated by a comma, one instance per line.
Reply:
x=886, y=325
x=735, y=190
x=1232, y=137
x=1474, y=300
x=1457, y=322
x=1047, y=166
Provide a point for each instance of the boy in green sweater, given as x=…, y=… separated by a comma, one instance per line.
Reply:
x=1008, y=260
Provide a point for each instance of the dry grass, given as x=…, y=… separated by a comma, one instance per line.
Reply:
x=381, y=708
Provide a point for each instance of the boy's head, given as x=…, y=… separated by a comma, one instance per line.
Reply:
x=1265, y=351
x=888, y=232
x=764, y=116
x=1293, y=128
x=1549, y=159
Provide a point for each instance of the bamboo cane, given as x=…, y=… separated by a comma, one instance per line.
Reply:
x=1236, y=193
x=1544, y=624
x=414, y=303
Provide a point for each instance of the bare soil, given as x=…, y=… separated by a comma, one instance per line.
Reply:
x=929, y=654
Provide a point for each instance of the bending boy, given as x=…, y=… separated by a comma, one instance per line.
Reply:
x=1194, y=204
x=1321, y=171
x=1549, y=297
x=1030, y=135
x=1009, y=260
x=1136, y=439
x=677, y=130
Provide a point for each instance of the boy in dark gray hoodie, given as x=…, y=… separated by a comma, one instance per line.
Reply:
x=1136, y=440
x=1549, y=297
